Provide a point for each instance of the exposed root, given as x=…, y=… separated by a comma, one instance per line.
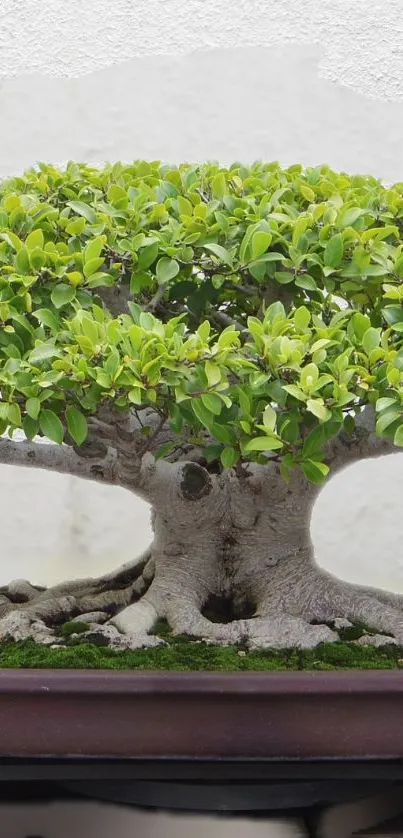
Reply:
x=329, y=597
x=375, y=640
x=33, y=612
x=277, y=630
x=136, y=622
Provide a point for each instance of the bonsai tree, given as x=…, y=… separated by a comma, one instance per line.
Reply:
x=219, y=342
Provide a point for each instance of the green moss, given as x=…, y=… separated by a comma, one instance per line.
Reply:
x=73, y=627
x=183, y=655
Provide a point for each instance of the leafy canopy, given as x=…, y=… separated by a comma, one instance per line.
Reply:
x=264, y=304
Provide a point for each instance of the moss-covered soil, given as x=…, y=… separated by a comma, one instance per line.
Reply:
x=181, y=654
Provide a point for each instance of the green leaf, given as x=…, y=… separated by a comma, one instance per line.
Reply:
x=307, y=192
x=228, y=337
x=284, y=277
x=212, y=402
x=30, y=427
x=93, y=249
x=34, y=240
x=212, y=452
x=100, y=279
x=360, y=323
x=393, y=314
x=306, y=282
x=83, y=209
x=223, y=433
x=315, y=472
x=219, y=185
x=51, y=425
x=371, y=339
x=295, y=391
x=229, y=457
x=334, y=251
x=259, y=243
x=398, y=266
x=37, y=258
x=135, y=395
x=314, y=442
x=92, y=266
x=90, y=330
x=104, y=380
x=263, y=443
x=32, y=407
x=76, y=424
x=62, y=294
x=302, y=318
x=204, y=416
x=309, y=377
x=167, y=269
x=47, y=318
x=384, y=403
x=75, y=277
x=43, y=352
x=272, y=256
x=14, y=414
x=349, y=216
x=22, y=262
x=398, y=438
x=374, y=270
x=213, y=373
x=318, y=408
x=147, y=256
x=219, y=251
x=112, y=364
x=387, y=418
x=12, y=240
x=269, y=417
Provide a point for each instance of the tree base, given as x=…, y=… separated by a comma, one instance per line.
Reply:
x=121, y=610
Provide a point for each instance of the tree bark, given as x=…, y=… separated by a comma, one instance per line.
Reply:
x=232, y=561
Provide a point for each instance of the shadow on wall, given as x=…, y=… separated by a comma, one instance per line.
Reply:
x=56, y=527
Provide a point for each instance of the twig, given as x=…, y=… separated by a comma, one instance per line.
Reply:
x=152, y=305
x=154, y=434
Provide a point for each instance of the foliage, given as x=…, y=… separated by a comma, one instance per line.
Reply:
x=265, y=304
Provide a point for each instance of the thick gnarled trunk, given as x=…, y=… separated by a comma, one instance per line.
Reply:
x=247, y=540
x=231, y=562
x=225, y=544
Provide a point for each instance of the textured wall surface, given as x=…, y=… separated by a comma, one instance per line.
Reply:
x=315, y=82
x=360, y=42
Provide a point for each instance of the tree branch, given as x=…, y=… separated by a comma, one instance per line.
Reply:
x=156, y=299
x=126, y=467
x=225, y=320
x=61, y=458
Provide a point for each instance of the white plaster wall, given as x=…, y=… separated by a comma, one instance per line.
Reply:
x=315, y=82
